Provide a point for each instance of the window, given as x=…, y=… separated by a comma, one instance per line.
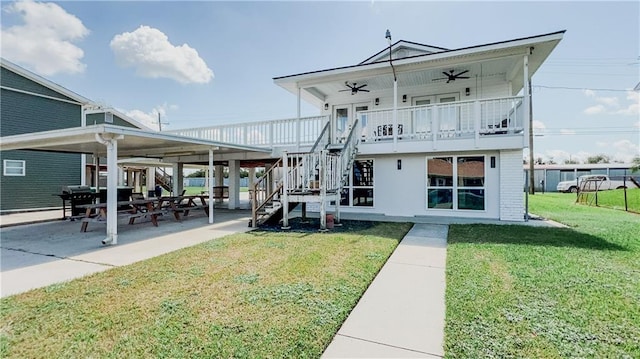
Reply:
x=466, y=192
x=359, y=193
x=14, y=168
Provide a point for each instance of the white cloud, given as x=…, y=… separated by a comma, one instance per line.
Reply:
x=565, y=131
x=45, y=40
x=594, y=110
x=150, y=119
x=611, y=105
x=150, y=52
x=625, y=150
x=602, y=144
x=634, y=106
x=539, y=127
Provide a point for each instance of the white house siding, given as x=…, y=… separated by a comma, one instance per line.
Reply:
x=403, y=192
x=511, y=185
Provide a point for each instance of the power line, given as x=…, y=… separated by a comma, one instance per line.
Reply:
x=579, y=88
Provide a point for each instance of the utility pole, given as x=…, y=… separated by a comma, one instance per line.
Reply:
x=159, y=122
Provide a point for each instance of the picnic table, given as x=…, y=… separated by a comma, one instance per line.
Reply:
x=183, y=204
x=151, y=207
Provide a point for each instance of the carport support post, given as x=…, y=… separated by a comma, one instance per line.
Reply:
x=177, y=178
x=209, y=181
x=112, y=192
x=219, y=174
x=234, y=184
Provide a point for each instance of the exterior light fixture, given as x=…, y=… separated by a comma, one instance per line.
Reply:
x=467, y=91
x=404, y=98
x=326, y=106
x=377, y=101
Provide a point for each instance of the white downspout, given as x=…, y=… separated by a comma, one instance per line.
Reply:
x=112, y=188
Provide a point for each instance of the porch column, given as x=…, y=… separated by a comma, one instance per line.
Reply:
x=219, y=174
x=298, y=123
x=234, y=184
x=177, y=178
x=136, y=183
x=395, y=114
x=285, y=191
x=120, y=175
x=209, y=182
x=151, y=179
x=252, y=177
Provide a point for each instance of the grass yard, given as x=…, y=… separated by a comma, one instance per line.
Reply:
x=254, y=295
x=530, y=292
x=615, y=199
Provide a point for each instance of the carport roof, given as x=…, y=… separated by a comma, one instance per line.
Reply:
x=132, y=142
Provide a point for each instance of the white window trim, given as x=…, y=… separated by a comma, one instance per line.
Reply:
x=23, y=167
x=350, y=187
x=455, y=186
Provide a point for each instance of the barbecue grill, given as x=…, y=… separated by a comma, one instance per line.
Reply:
x=76, y=195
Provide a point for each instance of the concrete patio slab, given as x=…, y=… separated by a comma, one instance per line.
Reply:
x=37, y=255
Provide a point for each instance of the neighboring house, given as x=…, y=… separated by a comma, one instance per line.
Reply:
x=30, y=104
x=441, y=132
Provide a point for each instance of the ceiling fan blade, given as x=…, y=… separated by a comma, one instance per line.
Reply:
x=462, y=73
x=439, y=79
x=449, y=80
x=462, y=77
x=361, y=86
x=344, y=90
x=364, y=90
x=446, y=73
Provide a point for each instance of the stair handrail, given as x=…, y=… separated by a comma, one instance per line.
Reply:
x=349, y=151
x=262, y=193
x=324, y=138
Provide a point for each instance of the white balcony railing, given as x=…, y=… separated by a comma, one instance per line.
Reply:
x=464, y=119
x=446, y=120
x=303, y=132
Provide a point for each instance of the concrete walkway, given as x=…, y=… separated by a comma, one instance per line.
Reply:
x=401, y=315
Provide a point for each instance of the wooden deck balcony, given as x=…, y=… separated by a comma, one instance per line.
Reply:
x=487, y=123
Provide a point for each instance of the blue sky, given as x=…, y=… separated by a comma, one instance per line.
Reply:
x=219, y=58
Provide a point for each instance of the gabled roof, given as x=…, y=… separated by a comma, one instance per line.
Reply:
x=526, y=41
x=44, y=82
x=402, y=49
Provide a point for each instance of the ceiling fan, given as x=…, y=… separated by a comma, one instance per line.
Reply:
x=452, y=77
x=354, y=88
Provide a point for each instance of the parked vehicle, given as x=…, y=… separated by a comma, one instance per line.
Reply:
x=593, y=183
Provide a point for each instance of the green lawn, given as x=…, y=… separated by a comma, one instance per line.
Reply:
x=254, y=295
x=530, y=292
x=615, y=199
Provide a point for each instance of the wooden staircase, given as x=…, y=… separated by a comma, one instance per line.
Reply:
x=311, y=177
x=164, y=180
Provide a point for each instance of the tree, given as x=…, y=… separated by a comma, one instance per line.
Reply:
x=198, y=174
x=571, y=162
x=600, y=158
x=636, y=164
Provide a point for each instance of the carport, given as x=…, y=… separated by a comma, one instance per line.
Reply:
x=116, y=142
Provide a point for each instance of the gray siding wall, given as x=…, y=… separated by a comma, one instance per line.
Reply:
x=45, y=172
x=11, y=79
x=98, y=118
